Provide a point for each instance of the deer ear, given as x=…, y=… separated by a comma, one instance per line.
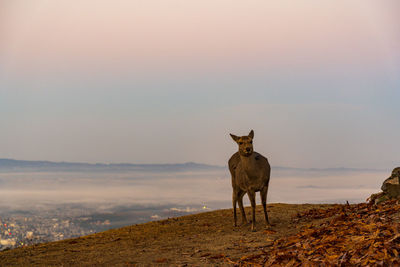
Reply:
x=234, y=137
x=251, y=134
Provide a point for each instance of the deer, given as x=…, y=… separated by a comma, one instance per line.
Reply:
x=250, y=173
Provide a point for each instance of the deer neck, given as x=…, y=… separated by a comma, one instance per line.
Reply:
x=248, y=164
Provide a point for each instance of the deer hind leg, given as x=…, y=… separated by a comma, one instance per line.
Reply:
x=263, y=194
x=240, y=202
x=252, y=197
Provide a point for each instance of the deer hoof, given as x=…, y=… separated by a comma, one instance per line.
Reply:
x=268, y=224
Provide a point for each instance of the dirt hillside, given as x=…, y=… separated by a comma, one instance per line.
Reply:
x=189, y=240
x=300, y=233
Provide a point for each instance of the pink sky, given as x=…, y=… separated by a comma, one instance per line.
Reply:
x=197, y=34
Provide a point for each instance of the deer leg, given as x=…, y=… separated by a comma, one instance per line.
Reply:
x=264, y=193
x=234, y=200
x=240, y=201
x=252, y=197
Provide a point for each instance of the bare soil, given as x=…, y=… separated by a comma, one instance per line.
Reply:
x=195, y=240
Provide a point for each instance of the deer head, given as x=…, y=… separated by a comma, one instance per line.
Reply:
x=245, y=143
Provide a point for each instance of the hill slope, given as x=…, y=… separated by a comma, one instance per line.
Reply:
x=192, y=239
x=318, y=234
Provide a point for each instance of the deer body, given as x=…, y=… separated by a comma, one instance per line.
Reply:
x=250, y=173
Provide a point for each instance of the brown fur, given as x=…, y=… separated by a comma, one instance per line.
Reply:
x=250, y=173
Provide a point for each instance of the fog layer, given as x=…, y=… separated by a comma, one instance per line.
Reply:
x=29, y=189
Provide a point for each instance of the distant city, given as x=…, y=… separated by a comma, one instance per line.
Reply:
x=68, y=221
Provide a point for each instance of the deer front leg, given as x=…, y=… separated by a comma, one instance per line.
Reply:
x=240, y=201
x=252, y=197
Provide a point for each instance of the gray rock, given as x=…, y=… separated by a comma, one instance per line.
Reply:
x=390, y=188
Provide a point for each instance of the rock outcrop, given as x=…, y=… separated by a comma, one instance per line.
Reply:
x=390, y=188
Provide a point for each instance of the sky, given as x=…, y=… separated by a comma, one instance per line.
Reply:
x=166, y=81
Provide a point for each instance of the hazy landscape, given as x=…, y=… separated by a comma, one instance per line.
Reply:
x=55, y=201
x=105, y=186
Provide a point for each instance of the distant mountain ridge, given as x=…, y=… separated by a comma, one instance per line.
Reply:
x=30, y=165
x=13, y=164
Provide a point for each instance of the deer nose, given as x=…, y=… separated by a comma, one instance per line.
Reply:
x=248, y=149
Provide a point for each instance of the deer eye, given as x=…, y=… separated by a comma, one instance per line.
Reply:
x=251, y=142
x=240, y=143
